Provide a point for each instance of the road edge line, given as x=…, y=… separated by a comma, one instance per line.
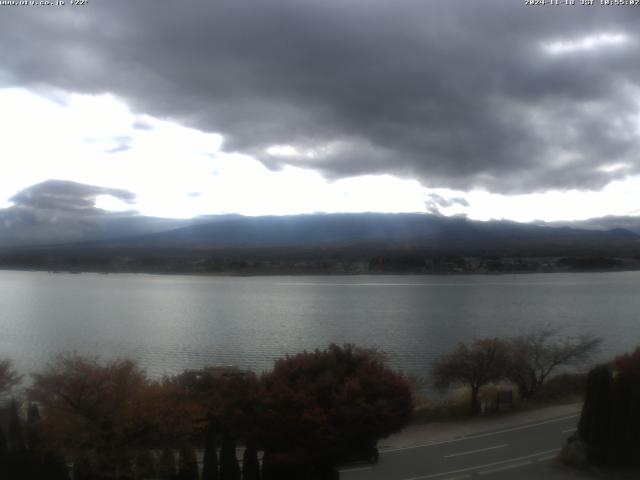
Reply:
x=478, y=467
x=479, y=435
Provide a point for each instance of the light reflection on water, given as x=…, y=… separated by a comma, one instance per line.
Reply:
x=171, y=323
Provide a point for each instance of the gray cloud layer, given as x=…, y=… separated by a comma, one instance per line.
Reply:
x=57, y=211
x=457, y=94
x=66, y=196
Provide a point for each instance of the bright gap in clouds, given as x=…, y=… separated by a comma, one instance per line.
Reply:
x=175, y=171
x=619, y=198
x=182, y=172
x=112, y=204
x=584, y=44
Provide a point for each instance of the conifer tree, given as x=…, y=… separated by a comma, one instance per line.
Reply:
x=4, y=448
x=596, y=412
x=210, y=459
x=33, y=420
x=53, y=467
x=187, y=464
x=229, y=467
x=145, y=464
x=167, y=465
x=250, y=463
x=82, y=468
x=610, y=420
x=16, y=434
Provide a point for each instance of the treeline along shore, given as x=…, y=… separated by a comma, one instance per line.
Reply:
x=316, y=263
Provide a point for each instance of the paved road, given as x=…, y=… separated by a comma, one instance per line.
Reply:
x=486, y=455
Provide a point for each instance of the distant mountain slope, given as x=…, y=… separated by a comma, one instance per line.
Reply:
x=390, y=230
x=602, y=223
x=30, y=227
x=342, y=243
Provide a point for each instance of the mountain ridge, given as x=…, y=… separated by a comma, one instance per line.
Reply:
x=308, y=230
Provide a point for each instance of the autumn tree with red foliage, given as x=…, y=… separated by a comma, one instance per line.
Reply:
x=308, y=414
x=106, y=413
x=628, y=366
x=234, y=405
x=321, y=406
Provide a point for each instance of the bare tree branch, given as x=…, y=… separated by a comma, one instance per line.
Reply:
x=536, y=355
x=9, y=378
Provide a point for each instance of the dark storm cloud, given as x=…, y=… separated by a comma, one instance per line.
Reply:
x=457, y=94
x=66, y=196
x=435, y=202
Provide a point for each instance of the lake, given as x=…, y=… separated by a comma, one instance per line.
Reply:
x=170, y=323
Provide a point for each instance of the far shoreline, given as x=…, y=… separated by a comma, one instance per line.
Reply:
x=315, y=273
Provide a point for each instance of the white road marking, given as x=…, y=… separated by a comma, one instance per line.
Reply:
x=480, y=435
x=569, y=430
x=546, y=458
x=486, y=465
x=355, y=469
x=506, y=467
x=476, y=451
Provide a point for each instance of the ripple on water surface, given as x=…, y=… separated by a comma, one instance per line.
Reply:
x=171, y=323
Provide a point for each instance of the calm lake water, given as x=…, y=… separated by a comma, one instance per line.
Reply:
x=170, y=323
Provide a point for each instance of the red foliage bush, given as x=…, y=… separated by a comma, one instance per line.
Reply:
x=628, y=366
x=327, y=401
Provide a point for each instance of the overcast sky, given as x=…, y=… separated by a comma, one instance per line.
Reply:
x=492, y=109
